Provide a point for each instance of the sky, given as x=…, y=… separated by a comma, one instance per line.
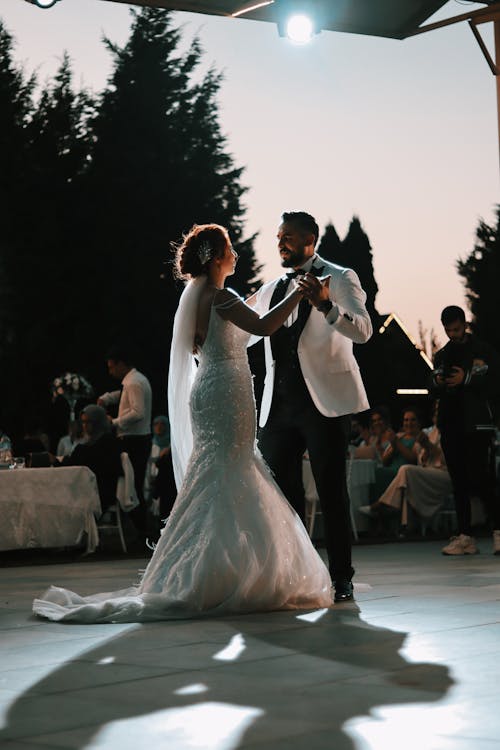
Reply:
x=402, y=134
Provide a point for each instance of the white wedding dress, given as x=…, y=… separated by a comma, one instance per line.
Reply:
x=232, y=543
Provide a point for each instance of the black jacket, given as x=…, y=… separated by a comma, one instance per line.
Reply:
x=469, y=406
x=103, y=458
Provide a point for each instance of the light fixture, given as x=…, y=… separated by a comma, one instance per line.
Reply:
x=296, y=22
x=299, y=29
x=43, y=3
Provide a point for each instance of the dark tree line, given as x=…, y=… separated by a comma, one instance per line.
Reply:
x=93, y=189
x=355, y=252
x=481, y=274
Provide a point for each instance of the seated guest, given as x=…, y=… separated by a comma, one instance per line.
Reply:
x=100, y=451
x=392, y=449
x=376, y=442
x=360, y=430
x=423, y=488
x=67, y=443
x=160, y=445
x=35, y=440
x=5, y=447
x=160, y=482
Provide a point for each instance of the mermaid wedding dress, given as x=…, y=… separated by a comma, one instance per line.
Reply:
x=232, y=543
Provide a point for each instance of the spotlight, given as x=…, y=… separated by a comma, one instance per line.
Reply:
x=43, y=3
x=299, y=29
x=296, y=22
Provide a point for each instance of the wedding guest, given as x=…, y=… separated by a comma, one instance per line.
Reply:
x=465, y=378
x=133, y=423
x=421, y=489
x=393, y=449
x=159, y=448
x=160, y=484
x=377, y=441
x=35, y=440
x=100, y=451
x=74, y=436
x=5, y=447
x=360, y=430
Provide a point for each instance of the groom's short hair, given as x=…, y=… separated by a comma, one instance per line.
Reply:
x=303, y=220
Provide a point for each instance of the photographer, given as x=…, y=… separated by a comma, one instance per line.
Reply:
x=466, y=374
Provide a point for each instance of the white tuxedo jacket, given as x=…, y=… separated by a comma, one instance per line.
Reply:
x=325, y=352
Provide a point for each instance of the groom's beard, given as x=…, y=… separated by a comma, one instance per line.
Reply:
x=293, y=258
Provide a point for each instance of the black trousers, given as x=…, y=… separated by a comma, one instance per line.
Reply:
x=138, y=448
x=471, y=464
x=289, y=431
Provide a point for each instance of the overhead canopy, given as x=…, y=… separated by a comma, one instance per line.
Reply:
x=388, y=18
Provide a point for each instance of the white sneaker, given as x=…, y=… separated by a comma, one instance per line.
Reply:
x=462, y=545
x=496, y=542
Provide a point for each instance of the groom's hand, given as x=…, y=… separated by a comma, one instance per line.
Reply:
x=314, y=289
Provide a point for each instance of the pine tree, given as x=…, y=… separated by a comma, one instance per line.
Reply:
x=481, y=274
x=355, y=252
x=15, y=107
x=160, y=164
x=330, y=246
x=358, y=254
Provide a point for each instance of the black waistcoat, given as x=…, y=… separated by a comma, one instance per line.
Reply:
x=289, y=384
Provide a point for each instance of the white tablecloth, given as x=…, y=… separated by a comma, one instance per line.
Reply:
x=360, y=476
x=51, y=507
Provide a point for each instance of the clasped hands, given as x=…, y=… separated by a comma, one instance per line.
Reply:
x=315, y=290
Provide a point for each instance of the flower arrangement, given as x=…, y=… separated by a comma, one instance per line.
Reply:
x=72, y=387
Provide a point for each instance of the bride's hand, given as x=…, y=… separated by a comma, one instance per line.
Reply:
x=315, y=290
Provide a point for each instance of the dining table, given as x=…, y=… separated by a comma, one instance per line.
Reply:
x=49, y=508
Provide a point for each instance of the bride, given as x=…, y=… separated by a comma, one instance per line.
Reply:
x=232, y=543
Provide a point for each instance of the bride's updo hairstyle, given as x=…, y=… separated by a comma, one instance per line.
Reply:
x=199, y=246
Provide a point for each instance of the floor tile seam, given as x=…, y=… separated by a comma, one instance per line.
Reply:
x=370, y=672
x=22, y=648
x=114, y=683
x=43, y=746
x=221, y=665
x=463, y=736
x=447, y=628
x=93, y=688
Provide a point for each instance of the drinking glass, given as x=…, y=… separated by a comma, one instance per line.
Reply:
x=17, y=463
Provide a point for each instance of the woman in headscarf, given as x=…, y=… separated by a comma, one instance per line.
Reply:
x=160, y=482
x=100, y=451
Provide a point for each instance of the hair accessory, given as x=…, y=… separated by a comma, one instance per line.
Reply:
x=204, y=252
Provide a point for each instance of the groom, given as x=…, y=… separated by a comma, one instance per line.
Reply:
x=313, y=384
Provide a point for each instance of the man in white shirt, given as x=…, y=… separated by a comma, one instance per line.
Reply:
x=133, y=423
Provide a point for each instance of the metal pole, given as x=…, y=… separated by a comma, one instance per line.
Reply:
x=496, y=27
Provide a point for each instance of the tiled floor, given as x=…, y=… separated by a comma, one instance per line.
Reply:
x=413, y=664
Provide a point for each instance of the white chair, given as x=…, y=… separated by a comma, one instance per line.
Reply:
x=312, y=499
x=126, y=501
x=113, y=512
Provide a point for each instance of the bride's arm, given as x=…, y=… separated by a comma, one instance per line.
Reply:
x=231, y=307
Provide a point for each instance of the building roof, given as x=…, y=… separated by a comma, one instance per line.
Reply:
x=386, y=18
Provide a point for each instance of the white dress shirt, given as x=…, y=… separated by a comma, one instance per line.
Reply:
x=134, y=409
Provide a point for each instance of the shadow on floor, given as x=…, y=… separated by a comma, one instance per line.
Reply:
x=272, y=680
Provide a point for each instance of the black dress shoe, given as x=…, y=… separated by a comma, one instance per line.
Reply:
x=343, y=591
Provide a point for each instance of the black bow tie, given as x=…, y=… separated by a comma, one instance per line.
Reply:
x=300, y=272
